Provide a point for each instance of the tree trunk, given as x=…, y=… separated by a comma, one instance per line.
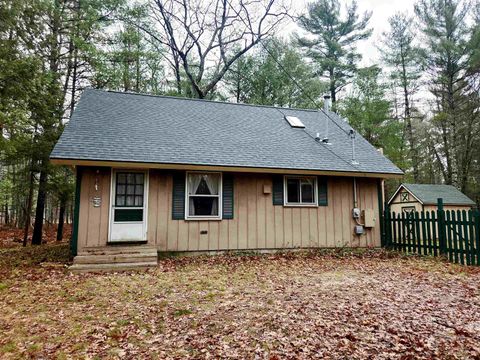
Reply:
x=333, y=90
x=42, y=192
x=61, y=220
x=7, y=218
x=74, y=81
x=28, y=208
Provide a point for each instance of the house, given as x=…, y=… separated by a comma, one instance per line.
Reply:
x=175, y=175
x=424, y=197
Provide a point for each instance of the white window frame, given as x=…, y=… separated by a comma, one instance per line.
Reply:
x=220, y=198
x=300, y=204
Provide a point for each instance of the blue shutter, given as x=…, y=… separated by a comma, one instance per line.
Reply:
x=178, y=199
x=322, y=191
x=277, y=189
x=227, y=205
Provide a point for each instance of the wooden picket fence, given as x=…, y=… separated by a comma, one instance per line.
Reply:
x=454, y=234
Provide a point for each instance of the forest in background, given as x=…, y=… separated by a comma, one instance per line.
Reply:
x=420, y=103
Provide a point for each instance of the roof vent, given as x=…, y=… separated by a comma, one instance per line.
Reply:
x=294, y=122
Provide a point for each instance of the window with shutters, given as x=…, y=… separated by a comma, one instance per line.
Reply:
x=203, y=198
x=300, y=190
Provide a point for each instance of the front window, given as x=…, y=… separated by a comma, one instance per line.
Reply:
x=300, y=190
x=204, y=195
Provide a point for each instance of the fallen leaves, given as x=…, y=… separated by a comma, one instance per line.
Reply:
x=357, y=305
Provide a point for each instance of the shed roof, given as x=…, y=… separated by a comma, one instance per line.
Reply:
x=127, y=127
x=429, y=193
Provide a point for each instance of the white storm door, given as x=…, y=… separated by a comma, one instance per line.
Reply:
x=129, y=203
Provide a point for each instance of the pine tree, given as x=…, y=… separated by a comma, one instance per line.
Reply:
x=448, y=52
x=335, y=37
x=369, y=112
x=403, y=57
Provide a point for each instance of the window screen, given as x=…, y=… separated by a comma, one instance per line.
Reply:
x=129, y=190
x=300, y=190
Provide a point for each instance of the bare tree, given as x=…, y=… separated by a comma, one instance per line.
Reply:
x=206, y=37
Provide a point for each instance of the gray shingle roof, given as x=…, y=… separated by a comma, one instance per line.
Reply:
x=112, y=126
x=429, y=193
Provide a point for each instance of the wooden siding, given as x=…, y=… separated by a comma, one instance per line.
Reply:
x=257, y=223
x=396, y=205
x=448, y=207
x=93, y=221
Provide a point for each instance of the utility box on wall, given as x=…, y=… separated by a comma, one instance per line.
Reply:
x=369, y=218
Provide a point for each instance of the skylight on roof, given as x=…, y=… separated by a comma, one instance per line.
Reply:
x=294, y=122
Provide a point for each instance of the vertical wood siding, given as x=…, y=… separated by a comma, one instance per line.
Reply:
x=93, y=221
x=257, y=223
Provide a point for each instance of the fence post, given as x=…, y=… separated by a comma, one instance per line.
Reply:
x=384, y=226
x=441, y=227
x=476, y=217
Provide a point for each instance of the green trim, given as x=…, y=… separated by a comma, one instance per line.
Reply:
x=277, y=190
x=228, y=195
x=322, y=190
x=126, y=215
x=178, y=195
x=76, y=212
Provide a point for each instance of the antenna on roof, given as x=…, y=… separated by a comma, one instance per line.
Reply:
x=352, y=137
x=326, y=108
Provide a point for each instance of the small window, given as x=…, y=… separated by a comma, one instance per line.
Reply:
x=300, y=190
x=404, y=196
x=203, y=195
x=129, y=190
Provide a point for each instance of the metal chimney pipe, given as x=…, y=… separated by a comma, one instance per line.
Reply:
x=326, y=102
x=352, y=137
x=326, y=109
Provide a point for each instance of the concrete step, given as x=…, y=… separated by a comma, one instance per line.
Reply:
x=81, y=268
x=117, y=258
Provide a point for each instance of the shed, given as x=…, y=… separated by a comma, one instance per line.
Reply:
x=424, y=197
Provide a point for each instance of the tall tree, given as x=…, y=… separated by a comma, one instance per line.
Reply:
x=129, y=63
x=448, y=52
x=206, y=38
x=263, y=79
x=403, y=57
x=332, y=40
x=369, y=112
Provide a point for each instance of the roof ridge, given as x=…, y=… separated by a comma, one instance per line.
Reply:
x=201, y=100
x=430, y=184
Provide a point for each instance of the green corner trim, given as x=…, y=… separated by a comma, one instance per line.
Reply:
x=76, y=212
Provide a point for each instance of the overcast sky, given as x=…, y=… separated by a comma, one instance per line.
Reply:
x=381, y=11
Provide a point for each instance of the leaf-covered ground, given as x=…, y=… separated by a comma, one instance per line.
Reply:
x=304, y=305
x=13, y=237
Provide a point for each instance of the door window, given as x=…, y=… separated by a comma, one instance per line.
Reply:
x=129, y=197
